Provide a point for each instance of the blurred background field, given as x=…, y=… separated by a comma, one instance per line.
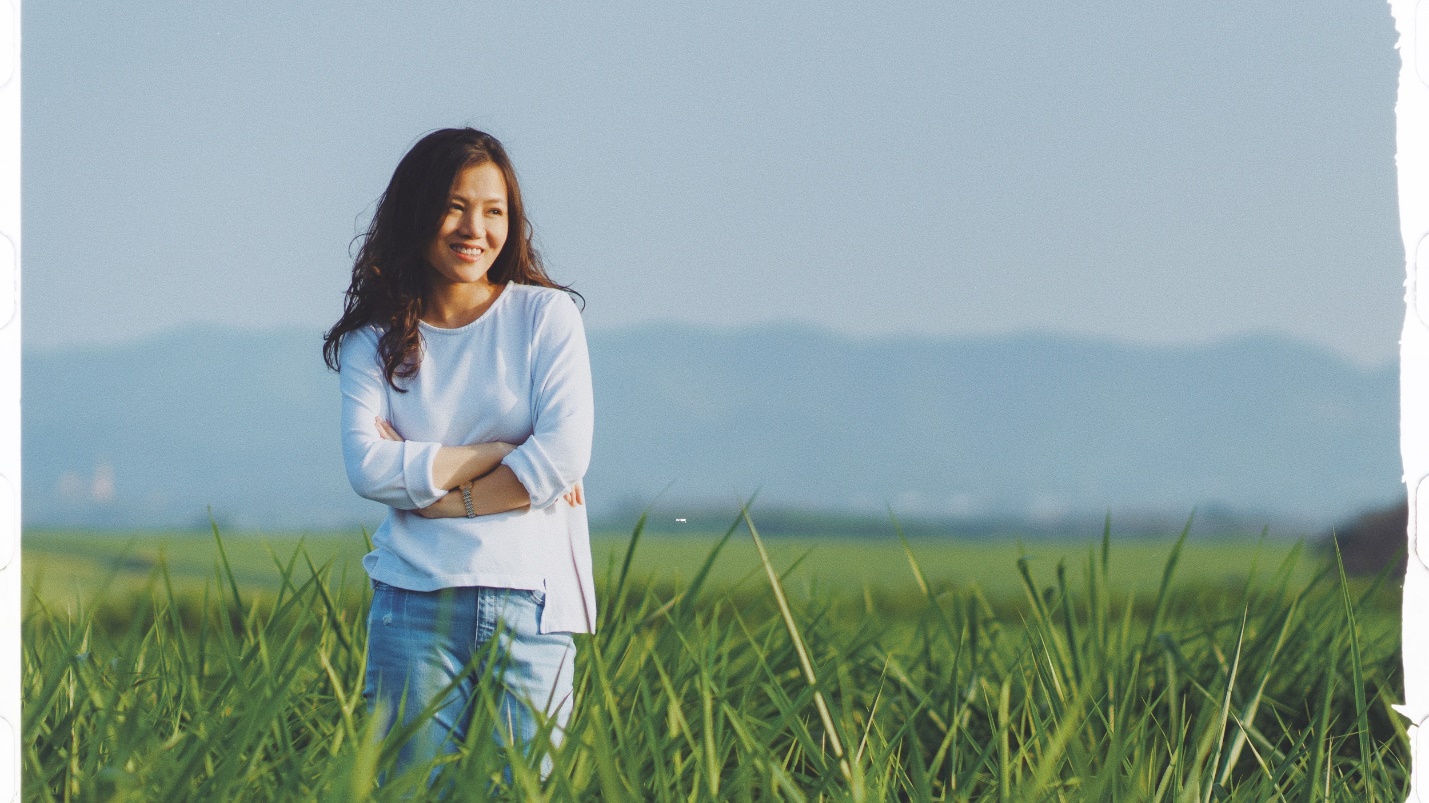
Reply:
x=65, y=565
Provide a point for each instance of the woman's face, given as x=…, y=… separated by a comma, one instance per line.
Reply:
x=474, y=228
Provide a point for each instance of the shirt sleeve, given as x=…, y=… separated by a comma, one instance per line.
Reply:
x=555, y=457
x=395, y=473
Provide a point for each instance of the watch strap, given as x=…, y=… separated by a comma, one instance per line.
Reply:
x=466, y=500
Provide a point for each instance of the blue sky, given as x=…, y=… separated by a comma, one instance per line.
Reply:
x=1154, y=175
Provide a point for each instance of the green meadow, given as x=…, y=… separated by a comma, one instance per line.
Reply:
x=63, y=566
x=729, y=667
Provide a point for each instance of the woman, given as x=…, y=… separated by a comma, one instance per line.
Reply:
x=466, y=409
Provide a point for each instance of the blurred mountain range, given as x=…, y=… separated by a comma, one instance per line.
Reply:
x=1035, y=428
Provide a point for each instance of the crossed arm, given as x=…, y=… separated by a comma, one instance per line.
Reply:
x=493, y=486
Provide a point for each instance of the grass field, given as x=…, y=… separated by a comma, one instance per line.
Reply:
x=830, y=669
x=63, y=565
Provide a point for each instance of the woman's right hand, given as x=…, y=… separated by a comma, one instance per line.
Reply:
x=575, y=496
x=386, y=431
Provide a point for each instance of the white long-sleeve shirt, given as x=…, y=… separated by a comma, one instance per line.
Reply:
x=520, y=374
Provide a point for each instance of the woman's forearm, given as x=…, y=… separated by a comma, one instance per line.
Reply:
x=455, y=465
x=496, y=492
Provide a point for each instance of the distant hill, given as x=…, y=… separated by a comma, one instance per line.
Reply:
x=1033, y=426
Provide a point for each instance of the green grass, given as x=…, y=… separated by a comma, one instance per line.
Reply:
x=871, y=671
x=61, y=565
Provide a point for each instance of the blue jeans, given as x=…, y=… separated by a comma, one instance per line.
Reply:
x=419, y=648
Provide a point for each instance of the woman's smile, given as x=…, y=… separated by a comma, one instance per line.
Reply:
x=469, y=253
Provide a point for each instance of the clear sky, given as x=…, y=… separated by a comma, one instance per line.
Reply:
x=1150, y=172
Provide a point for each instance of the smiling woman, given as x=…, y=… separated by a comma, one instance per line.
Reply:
x=466, y=409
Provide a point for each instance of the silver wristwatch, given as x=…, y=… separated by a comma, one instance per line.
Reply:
x=466, y=500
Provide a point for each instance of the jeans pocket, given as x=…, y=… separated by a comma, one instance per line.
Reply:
x=388, y=603
x=538, y=597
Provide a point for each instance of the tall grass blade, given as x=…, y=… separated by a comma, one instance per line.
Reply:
x=830, y=731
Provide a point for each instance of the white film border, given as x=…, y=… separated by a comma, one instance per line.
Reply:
x=9, y=280
x=9, y=46
x=1421, y=34
x=9, y=511
x=1411, y=19
x=10, y=583
x=1418, y=264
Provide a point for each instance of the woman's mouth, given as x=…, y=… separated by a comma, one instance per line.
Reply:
x=468, y=253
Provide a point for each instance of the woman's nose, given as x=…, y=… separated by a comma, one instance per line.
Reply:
x=472, y=225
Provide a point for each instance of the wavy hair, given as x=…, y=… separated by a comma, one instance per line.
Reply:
x=391, y=279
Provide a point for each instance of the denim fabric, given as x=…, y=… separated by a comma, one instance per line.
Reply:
x=420, y=642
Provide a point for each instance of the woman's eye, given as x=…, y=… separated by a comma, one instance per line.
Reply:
x=497, y=212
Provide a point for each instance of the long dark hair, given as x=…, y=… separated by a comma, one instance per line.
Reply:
x=391, y=279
